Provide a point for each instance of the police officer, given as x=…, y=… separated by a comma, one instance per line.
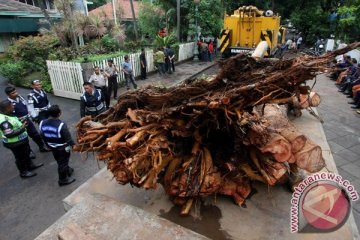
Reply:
x=57, y=136
x=99, y=81
x=21, y=111
x=92, y=101
x=111, y=72
x=15, y=138
x=38, y=102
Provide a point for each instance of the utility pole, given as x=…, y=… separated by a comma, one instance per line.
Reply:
x=178, y=19
x=86, y=7
x=196, y=51
x=114, y=11
x=134, y=19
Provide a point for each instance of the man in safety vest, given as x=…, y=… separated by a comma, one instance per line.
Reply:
x=21, y=111
x=92, y=101
x=57, y=136
x=15, y=138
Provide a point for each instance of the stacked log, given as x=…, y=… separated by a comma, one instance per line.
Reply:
x=212, y=136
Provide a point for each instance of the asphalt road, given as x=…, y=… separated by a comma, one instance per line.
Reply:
x=29, y=206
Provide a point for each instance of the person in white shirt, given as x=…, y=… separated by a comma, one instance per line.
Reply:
x=99, y=80
x=299, y=42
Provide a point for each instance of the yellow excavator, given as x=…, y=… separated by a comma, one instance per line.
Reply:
x=247, y=28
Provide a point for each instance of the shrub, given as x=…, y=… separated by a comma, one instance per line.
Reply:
x=165, y=41
x=133, y=46
x=33, y=49
x=63, y=54
x=109, y=43
x=14, y=72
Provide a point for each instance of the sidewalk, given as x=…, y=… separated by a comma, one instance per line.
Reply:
x=182, y=72
x=342, y=130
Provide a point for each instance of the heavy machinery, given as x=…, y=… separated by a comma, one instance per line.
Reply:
x=249, y=26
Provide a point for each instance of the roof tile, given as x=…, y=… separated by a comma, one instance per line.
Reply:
x=123, y=4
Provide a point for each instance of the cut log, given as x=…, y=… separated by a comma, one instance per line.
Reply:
x=310, y=157
x=309, y=100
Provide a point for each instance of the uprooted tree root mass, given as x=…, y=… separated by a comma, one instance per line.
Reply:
x=210, y=136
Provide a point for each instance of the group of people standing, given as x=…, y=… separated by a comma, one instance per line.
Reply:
x=207, y=49
x=98, y=89
x=17, y=117
x=164, y=59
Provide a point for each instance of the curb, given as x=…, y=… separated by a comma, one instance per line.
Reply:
x=194, y=75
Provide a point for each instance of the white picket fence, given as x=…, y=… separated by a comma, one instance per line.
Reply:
x=67, y=78
x=134, y=60
x=186, y=51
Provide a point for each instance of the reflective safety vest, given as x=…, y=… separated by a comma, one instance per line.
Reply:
x=93, y=103
x=39, y=99
x=51, y=132
x=16, y=125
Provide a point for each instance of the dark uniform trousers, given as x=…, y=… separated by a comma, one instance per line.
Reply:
x=62, y=158
x=143, y=72
x=113, y=86
x=42, y=116
x=105, y=92
x=34, y=134
x=22, y=156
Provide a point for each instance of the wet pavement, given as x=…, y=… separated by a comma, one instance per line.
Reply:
x=342, y=130
x=29, y=206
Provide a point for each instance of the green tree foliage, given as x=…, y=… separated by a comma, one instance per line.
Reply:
x=312, y=22
x=209, y=17
x=151, y=19
x=165, y=41
x=349, y=19
x=33, y=49
x=231, y=5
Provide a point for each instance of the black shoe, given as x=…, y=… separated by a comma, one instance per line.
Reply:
x=341, y=90
x=349, y=96
x=352, y=102
x=135, y=86
x=27, y=174
x=66, y=181
x=355, y=107
x=32, y=155
x=115, y=98
x=70, y=171
x=44, y=149
x=34, y=166
x=346, y=92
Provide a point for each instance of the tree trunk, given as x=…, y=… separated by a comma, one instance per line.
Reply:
x=134, y=19
x=72, y=29
x=46, y=14
x=178, y=19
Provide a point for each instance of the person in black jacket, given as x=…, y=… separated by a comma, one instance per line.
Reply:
x=57, y=136
x=14, y=137
x=143, y=64
x=38, y=102
x=92, y=102
x=21, y=111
